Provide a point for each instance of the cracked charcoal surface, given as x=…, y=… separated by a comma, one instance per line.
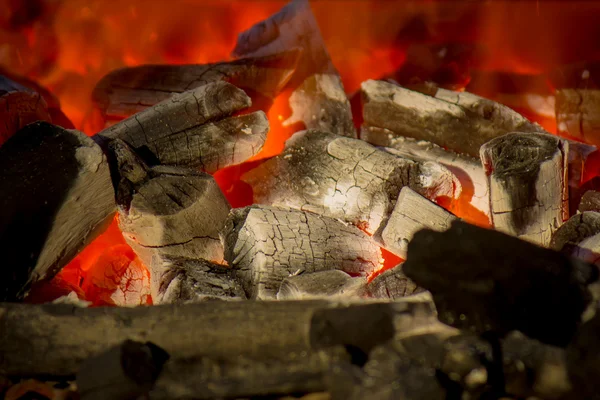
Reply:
x=461, y=122
x=264, y=245
x=527, y=180
x=195, y=129
x=577, y=114
x=392, y=284
x=343, y=178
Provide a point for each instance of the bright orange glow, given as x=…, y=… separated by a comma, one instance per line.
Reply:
x=390, y=260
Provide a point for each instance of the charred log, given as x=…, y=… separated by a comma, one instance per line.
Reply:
x=57, y=197
x=264, y=245
x=578, y=114
x=318, y=99
x=323, y=284
x=128, y=91
x=19, y=106
x=579, y=237
x=527, y=178
x=412, y=213
x=461, y=122
x=392, y=284
x=344, y=178
x=485, y=280
x=194, y=129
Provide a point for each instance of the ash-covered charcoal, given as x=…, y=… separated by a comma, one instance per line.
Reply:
x=411, y=213
x=461, y=122
x=174, y=212
x=184, y=280
x=579, y=237
x=528, y=184
x=590, y=201
x=19, y=106
x=321, y=284
x=484, y=280
x=195, y=129
x=392, y=284
x=128, y=91
x=318, y=99
x=264, y=245
x=123, y=372
x=578, y=113
x=57, y=197
x=344, y=178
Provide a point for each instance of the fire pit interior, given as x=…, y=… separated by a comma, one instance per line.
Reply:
x=306, y=199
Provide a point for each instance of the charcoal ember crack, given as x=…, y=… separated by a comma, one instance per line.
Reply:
x=128, y=91
x=344, y=178
x=484, y=280
x=264, y=245
x=321, y=284
x=57, y=197
x=461, y=122
x=195, y=129
x=579, y=237
x=318, y=98
x=527, y=175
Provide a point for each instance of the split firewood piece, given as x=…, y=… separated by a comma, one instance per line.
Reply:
x=578, y=113
x=318, y=99
x=195, y=129
x=184, y=280
x=467, y=169
x=579, y=237
x=392, y=284
x=344, y=178
x=19, y=106
x=39, y=340
x=590, y=201
x=528, y=184
x=412, y=213
x=123, y=372
x=322, y=284
x=457, y=121
x=485, y=280
x=264, y=245
x=57, y=197
x=128, y=91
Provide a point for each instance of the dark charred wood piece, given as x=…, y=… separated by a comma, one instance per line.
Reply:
x=461, y=122
x=583, y=360
x=195, y=129
x=528, y=184
x=264, y=245
x=128, y=91
x=579, y=237
x=322, y=284
x=485, y=280
x=57, y=197
x=344, y=178
x=318, y=98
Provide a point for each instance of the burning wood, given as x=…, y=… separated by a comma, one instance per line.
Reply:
x=578, y=115
x=484, y=280
x=128, y=91
x=265, y=245
x=182, y=280
x=392, y=284
x=194, y=129
x=57, y=197
x=527, y=178
x=321, y=284
x=579, y=237
x=344, y=178
x=318, y=99
x=461, y=122
x=412, y=213
x=19, y=106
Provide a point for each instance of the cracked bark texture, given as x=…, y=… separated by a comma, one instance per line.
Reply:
x=468, y=170
x=185, y=280
x=528, y=184
x=19, y=106
x=412, y=213
x=318, y=99
x=174, y=212
x=56, y=198
x=128, y=91
x=195, y=129
x=579, y=237
x=578, y=114
x=264, y=245
x=458, y=121
x=344, y=178
x=323, y=284
x=392, y=284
